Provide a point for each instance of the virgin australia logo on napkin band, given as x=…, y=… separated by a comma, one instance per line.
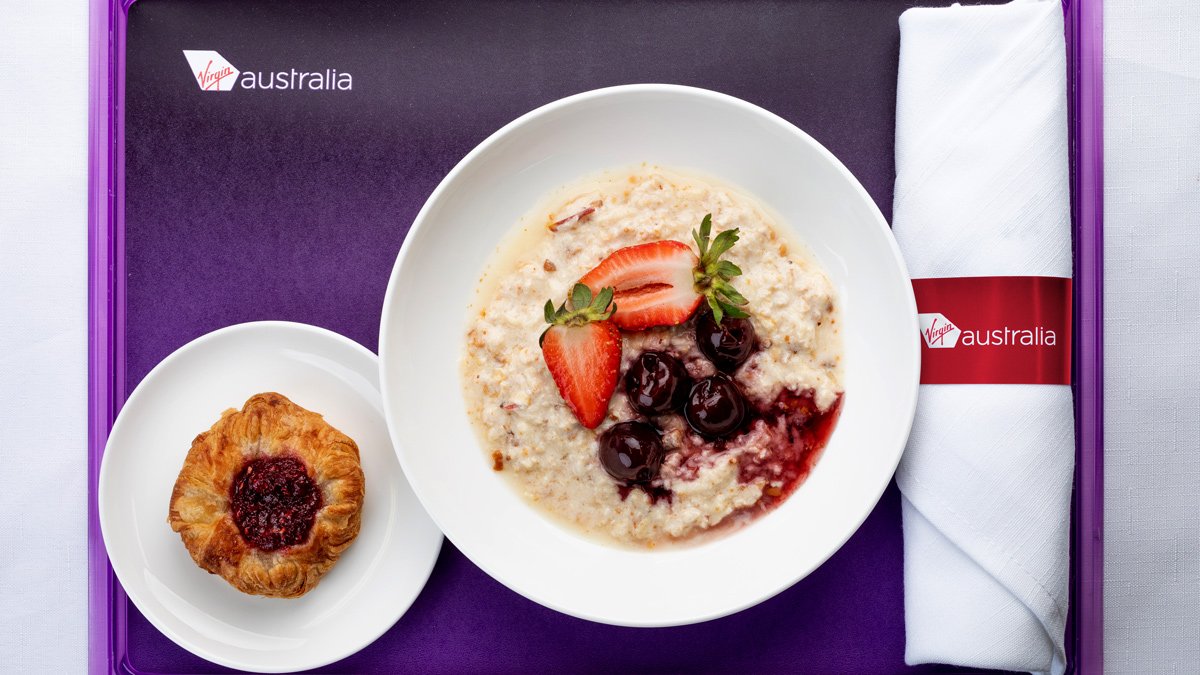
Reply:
x=214, y=72
x=940, y=333
x=1006, y=329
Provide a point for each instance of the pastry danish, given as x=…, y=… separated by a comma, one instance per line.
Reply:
x=269, y=497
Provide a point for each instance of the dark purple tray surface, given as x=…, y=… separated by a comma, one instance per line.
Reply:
x=252, y=205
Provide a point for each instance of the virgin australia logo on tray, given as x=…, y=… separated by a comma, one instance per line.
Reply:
x=938, y=331
x=214, y=72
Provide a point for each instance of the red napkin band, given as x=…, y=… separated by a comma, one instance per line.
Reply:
x=995, y=330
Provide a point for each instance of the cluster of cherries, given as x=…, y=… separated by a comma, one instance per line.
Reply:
x=657, y=383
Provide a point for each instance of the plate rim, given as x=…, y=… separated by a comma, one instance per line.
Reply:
x=104, y=472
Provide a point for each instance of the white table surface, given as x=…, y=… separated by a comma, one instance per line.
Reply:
x=1152, y=335
x=43, y=335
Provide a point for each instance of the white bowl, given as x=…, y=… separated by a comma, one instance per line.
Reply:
x=423, y=335
x=370, y=587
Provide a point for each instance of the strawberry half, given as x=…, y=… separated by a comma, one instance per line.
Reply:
x=652, y=283
x=663, y=282
x=582, y=348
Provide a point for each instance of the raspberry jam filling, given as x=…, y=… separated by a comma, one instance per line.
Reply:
x=274, y=502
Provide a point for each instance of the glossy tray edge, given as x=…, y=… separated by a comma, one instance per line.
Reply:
x=1085, y=39
x=101, y=141
x=106, y=385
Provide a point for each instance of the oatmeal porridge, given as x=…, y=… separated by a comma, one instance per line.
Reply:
x=650, y=358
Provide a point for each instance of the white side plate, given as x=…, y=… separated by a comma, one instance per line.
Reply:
x=365, y=593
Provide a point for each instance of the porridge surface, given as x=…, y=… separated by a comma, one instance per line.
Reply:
x=528, y=430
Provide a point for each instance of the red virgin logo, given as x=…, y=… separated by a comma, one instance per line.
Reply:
x=210, y=79
x=211, y=70
x=938, y=331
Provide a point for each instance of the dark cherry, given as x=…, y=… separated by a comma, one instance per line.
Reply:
x=727, y=344
x=715, y=407
x=656, y=383
x=274, y=502
x=631, y=452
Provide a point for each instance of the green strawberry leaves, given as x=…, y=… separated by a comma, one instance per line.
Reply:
x=584, y=308
x=712, y=275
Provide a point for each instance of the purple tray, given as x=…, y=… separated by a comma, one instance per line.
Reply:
x=175, y=172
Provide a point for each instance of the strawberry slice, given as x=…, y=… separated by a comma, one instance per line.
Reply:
x=652, y=283
x=661, y=283
x=582, y=348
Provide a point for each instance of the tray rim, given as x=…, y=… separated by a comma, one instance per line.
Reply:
x=107, y=603
x=1085, y=39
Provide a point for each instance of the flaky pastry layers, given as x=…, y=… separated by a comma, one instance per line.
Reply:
x=281, y=460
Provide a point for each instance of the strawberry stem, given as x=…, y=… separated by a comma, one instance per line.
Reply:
x=712, y=275
x=584, y=309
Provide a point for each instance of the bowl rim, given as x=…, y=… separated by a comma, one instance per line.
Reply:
x=388, y=319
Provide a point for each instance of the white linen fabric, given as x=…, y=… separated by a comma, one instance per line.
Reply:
x=43, y=336
x=982, y=189
x=1151, y=336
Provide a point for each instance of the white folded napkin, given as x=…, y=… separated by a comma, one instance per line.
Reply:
x=982, y=190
